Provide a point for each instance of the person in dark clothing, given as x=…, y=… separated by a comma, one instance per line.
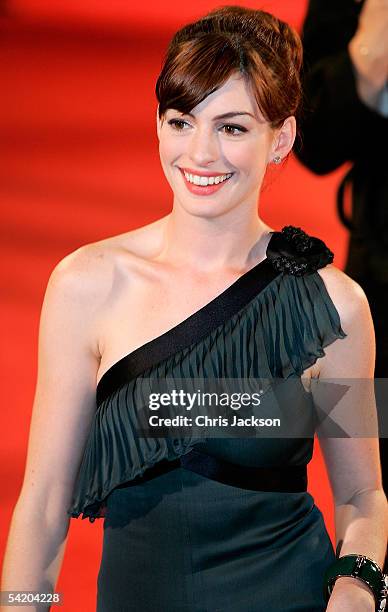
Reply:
x=346, y=120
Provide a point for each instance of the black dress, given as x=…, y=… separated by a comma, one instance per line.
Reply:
x=203, y=522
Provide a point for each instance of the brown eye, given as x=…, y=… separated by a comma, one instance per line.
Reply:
x=239, y=129
x=177, y=124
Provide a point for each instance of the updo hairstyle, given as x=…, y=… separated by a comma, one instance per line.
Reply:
x=232, y=40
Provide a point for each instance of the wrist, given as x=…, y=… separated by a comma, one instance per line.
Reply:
x=353, y=586
x=356, y=576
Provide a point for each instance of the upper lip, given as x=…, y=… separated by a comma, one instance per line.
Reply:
x=203, y=172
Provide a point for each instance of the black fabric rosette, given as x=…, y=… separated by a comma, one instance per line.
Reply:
x=292, y=251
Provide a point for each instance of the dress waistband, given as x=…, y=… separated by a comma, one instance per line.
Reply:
x=291, y=479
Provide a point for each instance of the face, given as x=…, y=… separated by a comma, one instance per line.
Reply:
x=214, y=162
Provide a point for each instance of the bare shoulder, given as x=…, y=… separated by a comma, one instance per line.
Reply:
x=89, y=270
x=353, y=355
x=83, y=273
x=95, y=272
x=346, y=294
x=79, y=289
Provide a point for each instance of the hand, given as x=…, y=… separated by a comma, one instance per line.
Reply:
x=368, y=50
x=351, y=595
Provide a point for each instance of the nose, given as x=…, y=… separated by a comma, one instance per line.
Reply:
x=204, y=146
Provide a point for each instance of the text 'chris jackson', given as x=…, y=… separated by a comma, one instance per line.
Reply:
x=205, y=421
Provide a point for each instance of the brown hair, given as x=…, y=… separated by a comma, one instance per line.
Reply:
x=203, y=55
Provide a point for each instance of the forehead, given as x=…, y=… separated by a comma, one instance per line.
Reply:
x=234, y=95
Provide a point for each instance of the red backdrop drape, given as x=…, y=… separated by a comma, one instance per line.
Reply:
x=79, y=162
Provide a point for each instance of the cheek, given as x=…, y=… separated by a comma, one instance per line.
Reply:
x=170, y=148
x=248, y=158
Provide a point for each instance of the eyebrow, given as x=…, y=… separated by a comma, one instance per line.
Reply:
x=226, y=115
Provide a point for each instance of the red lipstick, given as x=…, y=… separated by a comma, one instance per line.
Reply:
x=203, y=189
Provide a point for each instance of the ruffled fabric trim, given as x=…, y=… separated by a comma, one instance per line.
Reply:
x=115, y=454
x=298, y=320
x=279, y=333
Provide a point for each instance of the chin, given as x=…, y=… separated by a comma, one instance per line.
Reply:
x=209, y=208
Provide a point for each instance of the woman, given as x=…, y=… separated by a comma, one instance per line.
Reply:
x=207, y=292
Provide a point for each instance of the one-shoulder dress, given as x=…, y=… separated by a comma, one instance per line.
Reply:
x=215, y=523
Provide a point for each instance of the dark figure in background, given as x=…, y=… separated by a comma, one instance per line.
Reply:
x=346, y=119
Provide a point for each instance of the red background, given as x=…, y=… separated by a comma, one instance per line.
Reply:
x=79, y=162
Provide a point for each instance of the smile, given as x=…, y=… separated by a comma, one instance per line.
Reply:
x=204, y=184
x=197, y=179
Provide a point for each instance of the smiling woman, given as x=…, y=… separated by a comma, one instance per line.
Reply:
x=248, y=77
x=204, y=156
x=208, y=294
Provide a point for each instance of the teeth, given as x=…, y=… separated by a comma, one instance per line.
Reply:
x=206, y=180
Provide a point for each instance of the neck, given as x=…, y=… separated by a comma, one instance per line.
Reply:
x=209, y=244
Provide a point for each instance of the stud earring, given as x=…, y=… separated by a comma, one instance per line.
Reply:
x=277, y=159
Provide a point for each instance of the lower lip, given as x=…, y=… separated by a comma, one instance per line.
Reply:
x=203, y=190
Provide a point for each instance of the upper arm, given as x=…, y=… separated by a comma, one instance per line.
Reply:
x=353, y=356
x=353, y=462
x=64, y=401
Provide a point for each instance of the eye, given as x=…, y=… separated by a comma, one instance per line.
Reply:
x=177, y=124
x=239, y=129
x=232, y=130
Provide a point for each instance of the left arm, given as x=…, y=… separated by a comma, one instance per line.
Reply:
x=353, y=464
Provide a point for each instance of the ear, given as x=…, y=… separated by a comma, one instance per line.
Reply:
x=284, y=139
